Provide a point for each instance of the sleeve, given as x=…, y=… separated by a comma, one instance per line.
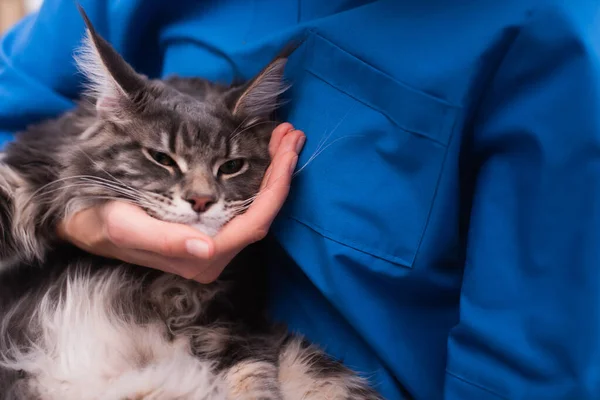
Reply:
x=529, y=324
x=38, y=76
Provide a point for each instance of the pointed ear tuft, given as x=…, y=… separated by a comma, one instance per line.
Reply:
x=259, y=98
x=111, y=79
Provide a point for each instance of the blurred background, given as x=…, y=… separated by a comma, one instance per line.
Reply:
x=12, y=11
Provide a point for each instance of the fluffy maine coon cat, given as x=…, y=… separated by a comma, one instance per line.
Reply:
x=74, y=326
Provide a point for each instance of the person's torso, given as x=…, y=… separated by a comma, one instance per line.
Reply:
x=372, y=235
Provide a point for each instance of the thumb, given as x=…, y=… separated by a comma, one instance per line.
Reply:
x=128, y=226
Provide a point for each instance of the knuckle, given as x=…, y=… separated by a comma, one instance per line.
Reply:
x=258, y=234
x=188, y=273
x=208, y=276
x=284, y=127
x=289, y=139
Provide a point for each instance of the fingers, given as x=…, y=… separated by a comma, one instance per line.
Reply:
x=254, y=224
x=277, y=136
x=143, y=258
x=292, y=140
x=212, y=272
x=198, y=270
x=270, y=200
x=127, y=226
x=183, y=267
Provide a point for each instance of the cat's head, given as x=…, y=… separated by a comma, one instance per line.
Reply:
x=186, y=150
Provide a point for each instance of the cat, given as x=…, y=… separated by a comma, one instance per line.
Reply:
x=78, y=326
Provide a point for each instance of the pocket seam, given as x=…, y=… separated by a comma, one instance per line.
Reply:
x=435, y=193
x=377, y=109
x=446, y=111
x=405, y=86
x=349, y=243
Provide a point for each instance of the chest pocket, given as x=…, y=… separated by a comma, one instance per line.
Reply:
x=373, y=155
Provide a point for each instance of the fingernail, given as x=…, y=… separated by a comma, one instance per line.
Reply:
x=293, y=164
x=300, y=144
x=197, y=248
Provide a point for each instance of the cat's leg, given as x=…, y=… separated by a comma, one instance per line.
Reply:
x=247, y=364
x=307, y=373
x=253, y=379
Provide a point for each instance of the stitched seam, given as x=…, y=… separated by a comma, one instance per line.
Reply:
x=488, y=83
x=476, y=385
x=351, y=245
x=383, y=112
x=404, y=85
x=435, y=195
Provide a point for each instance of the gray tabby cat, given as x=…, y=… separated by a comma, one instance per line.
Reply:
x=76, y=326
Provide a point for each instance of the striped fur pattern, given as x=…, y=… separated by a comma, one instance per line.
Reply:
x=78, y=326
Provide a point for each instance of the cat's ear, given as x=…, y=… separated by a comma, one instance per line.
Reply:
x=259, y=98
x=111, y=80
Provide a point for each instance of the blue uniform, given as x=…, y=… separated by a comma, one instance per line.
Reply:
x=444, y=237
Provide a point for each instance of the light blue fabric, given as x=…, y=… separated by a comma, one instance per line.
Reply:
x=445, y=235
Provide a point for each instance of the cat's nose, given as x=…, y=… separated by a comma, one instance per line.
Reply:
x=201, y=203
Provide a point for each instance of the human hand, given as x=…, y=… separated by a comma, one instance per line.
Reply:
x=123, y=231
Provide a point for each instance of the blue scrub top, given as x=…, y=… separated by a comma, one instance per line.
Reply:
x=444, y=237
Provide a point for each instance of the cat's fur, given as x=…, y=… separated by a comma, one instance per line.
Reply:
x=81, y=327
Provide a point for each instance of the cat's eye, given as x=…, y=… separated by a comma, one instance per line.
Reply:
x=232, y=166
x=162, y=158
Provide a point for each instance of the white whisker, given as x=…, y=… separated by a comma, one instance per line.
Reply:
x=95, y=163
x=322, y=145
x=239, y=126
x=92, y=182
x=317, y=153
x=250, y=127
